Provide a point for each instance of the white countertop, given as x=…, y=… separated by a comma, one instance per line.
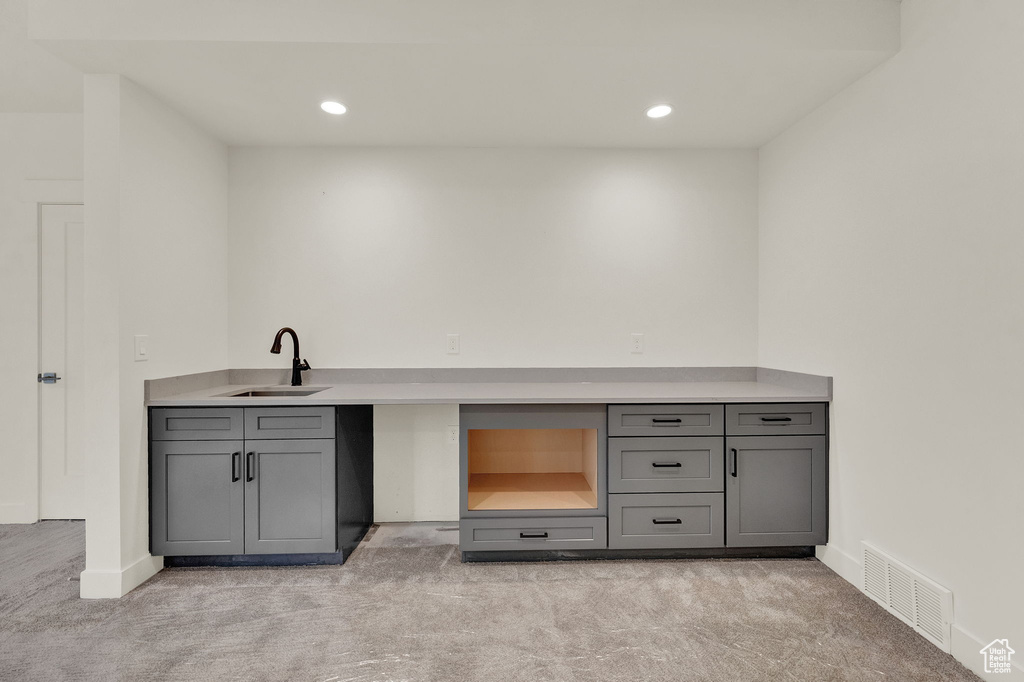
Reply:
x=452, y=392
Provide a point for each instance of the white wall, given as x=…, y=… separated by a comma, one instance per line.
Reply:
x=32, y=147
x=892, y=244
x=535, y=257
x=415, y=466
x=156, y=216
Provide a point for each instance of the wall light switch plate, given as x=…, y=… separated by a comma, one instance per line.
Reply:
x=453, y=434
x=141, y=348
x=636, y=343
x=453, y=344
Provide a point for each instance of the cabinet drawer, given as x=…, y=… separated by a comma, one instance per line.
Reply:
x=666, y=521
x=666, y=465
x=289, y=422
x=665, y=420
x=195, y=423
x=582, y=532
x=778, y=419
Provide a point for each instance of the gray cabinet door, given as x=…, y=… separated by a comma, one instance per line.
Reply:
x=289, y=496
x=289, y=422
x=776, y=491
x=684, y=520
x=197, y=498
x=665, y=465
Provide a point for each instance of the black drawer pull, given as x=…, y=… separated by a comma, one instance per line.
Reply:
x=249, y=464
x=533, y=536
x=776, y=419
x=665, y=521
x=666, y=464
x=236, y=463
x=735, y=455
x=656, y=420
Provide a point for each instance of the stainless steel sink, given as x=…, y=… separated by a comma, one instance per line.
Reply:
x=274, y=392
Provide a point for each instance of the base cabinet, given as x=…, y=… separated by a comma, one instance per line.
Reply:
x=263, y=480
x=776, y=491
x=705, y=478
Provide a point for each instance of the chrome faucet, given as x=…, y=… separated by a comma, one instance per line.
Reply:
x=298, y=366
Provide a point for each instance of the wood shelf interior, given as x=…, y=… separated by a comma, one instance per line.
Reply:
x=519, y=469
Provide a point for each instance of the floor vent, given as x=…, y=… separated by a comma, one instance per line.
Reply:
x=908, y=595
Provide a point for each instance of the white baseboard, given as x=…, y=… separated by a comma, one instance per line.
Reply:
x=964, y=647
x=116, y=584
x=842, y=563
x=16, y=512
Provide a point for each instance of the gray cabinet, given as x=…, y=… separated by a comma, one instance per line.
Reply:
x=665, y=420
x=254, y=496
x=196, y=423
x=666, y=479
x=533, y=477
x=677, y=477
x=665, y=465
x=776, y=491
x=779, y=419
x=554, y=533
x=289, y=422
x=289, y=496
x=196, y=497
x=678, y=520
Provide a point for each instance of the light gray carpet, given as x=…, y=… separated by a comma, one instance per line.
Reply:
x=405, y=608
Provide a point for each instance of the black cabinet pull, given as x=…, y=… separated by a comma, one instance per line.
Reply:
x=533, y=536
x=666, y=464
x=249, y=465
x=656, y=420
x=735, y=455
x=665, y=521
x=236, y=463
x=776, y=419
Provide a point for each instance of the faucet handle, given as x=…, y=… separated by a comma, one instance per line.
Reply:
x=304, y=365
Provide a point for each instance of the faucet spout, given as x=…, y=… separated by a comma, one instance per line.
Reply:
x=298, y=366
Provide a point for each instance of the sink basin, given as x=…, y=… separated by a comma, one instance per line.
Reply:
x=274, y=392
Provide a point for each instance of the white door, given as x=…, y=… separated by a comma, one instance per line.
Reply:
x=61, y=479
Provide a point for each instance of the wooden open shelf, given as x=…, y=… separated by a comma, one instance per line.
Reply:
x=520, y=469
x=531, y=491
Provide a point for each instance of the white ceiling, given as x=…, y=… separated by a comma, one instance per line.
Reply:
x=480, y=72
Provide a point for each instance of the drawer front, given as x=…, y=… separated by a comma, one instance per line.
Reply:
x=666, y=521
x=581, y=532
x=666, y=465
x=777, y=419
x=289, y=422
x=665, y=420
x=195, y=423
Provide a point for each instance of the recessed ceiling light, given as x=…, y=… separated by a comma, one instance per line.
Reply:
x=336, y=108
x=659, y=111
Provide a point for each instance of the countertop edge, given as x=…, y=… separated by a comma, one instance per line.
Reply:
x=738, y=385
